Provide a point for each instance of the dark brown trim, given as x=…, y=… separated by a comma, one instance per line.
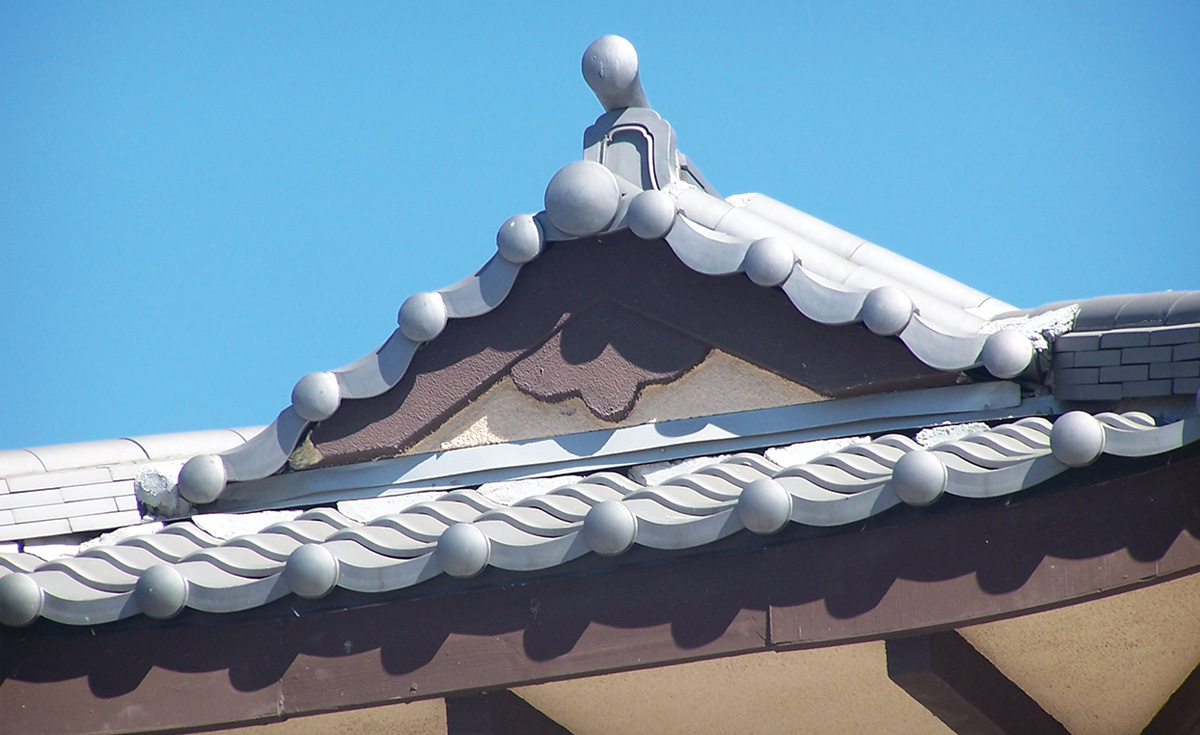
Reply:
x=1180, y=714
x=1117, y=525
x=963, y=689
x=498, y=712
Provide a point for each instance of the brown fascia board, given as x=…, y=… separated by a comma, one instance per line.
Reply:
x=1117, y=525
x=730, y=313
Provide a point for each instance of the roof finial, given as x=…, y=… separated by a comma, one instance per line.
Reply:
x=610, y=67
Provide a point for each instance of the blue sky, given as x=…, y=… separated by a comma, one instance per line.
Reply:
x=202, y=202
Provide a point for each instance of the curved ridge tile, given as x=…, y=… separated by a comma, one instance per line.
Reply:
x=822, y=300
x=989, y=483
x=274, y=546
x=238, y=560
x=363, y=570
x=94, y=572
x=659, y=529
x=562, y=507
x=678, y=499
x=939, y=350
x=541, y=553
x=387, y=541
x=129, y=559
x=414, y=525
x=706, y=251
x=185, y=530
x=1144, y=442
x=481, y=292
x=211, y=589
x=716, y=489
x=544, y=531
x=835, y=479
x=66, y=600
x=266, y=452
x=10, y=563
x=815, y=506
x=981, y=455
x=378, y=371
x=854, y=464
x=530, y=520
x=167, y=547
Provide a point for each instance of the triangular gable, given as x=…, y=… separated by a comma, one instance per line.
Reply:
x=602, y=318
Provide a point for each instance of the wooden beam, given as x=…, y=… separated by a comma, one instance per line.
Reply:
x=1180, y=714
x=963, y=689
x=497, y=713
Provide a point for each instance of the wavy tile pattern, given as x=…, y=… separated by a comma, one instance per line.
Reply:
x=463, y=532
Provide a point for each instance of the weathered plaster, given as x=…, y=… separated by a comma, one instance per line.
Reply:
x=1103, y=666
x=825, y=690
x=721, y=383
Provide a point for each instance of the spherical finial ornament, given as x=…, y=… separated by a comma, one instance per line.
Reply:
x=887, y=311
x=919, y=478
x=1007, y=353
x=202, y=479
x=1077, y=439
x=161, y=592
x=610, y=68
x=316, y=396
x=520, y=239
x=423, y=316
x=463, y=550
x=651, y=214
x=764, y=506
x=311, y=571
x=609, y=528
x=582, y=198
x=769, y=261
x=20, y=600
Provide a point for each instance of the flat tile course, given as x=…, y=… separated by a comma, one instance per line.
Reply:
x=1133, y=355
x=65, y=510
x=1186, y=352
x=64, y=478
x=105, y=520
x=1100, y=358
x=1124, y=373
x=1125, y=338
x=1175, y=336
x=1186, y=385
x=35, y=529
x=53, y=496
x=1175, y=370
x=1092, y=392
x=1076, y=342
x=1143, y=388
x=1076, y=376
x=99, y=490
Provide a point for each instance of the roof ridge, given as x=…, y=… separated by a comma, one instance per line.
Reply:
x=656, y=192
x=466, y=534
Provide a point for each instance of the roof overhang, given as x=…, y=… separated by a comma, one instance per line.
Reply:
x=1115, y=526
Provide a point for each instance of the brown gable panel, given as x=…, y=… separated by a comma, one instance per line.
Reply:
x=732, y=314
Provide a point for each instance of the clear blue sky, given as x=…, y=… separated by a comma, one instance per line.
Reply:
x=202, y=202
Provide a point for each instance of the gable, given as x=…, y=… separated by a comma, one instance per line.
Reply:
x=601, y=319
